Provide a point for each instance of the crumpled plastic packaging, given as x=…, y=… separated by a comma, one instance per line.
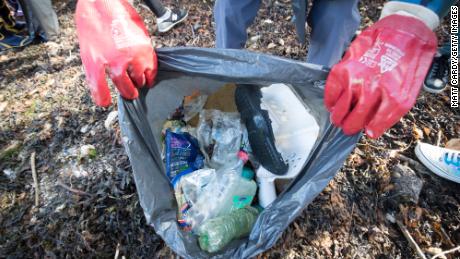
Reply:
x=182, y=155
x=188, y=189
x=193, y=104
x=224, y=193
x=219, y=134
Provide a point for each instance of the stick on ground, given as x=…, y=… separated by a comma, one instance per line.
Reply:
x=447, y=252
x=34, y=176
x=410, y=239
x=438, y=141
x=78, y=192
x=117, y=252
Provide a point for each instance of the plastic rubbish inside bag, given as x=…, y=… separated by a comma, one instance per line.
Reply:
x=193, y=104
x=248, y=99
x=223, y=186
x=218, y=232
x=182, y=155
x=182, y=71
x=219, y=135
x=276, y=114
x=228, y=191
x=192, y=185
x=188, y=189
x=176, y=126
x=224, y=190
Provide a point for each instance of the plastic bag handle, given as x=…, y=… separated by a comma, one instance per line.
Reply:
x=137, y=114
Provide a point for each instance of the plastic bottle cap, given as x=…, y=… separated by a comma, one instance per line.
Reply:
x=248, y=173
x=243, y=156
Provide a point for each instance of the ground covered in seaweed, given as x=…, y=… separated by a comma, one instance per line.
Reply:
x=88, y=205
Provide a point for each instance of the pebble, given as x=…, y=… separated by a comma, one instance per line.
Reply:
x=255, y=38
x=87, y=151
x=10, y=173
x=111, y=118
x=267, y=21
x=53, y=48
x=271, y=45
x=85, y=129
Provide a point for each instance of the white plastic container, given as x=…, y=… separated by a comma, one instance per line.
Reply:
x=295, y=131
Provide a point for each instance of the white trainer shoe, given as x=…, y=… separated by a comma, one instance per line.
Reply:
x=441, y=161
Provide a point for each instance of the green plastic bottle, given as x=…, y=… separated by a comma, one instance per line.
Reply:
x=218, y=232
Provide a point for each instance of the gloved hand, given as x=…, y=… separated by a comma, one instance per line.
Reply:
x=113, y=38
x=381, y=74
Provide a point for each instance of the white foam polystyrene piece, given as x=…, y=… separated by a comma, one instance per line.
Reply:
x=295, y=131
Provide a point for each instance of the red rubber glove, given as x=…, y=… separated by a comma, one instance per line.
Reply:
x=113, y=38
x=380, y=76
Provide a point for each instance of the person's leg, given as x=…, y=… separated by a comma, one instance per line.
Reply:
x=444, y=49
x=9, y=32
x=166, y=18
x=44, y=14
x=156, y=6
x=438, y=76
x=232, y=18
x=333, y=23
x=6, y=19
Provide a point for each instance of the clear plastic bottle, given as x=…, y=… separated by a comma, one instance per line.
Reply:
x=224, y=193
x=218, y=232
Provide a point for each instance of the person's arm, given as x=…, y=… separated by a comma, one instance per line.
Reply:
x=381, y=74
x=113, y=39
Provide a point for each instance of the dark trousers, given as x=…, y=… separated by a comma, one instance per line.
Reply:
x=156, y=6
x=333, y=24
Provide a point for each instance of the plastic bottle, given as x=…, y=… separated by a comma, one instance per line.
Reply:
x=226, y=192
x=219, y=232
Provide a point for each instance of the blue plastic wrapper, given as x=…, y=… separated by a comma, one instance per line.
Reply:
x=182, y=155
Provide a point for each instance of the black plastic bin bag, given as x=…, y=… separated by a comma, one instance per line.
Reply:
x=183, y=70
